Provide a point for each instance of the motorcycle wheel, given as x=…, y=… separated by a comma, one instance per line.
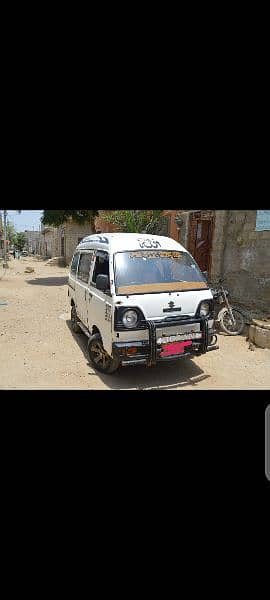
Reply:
x=227, y=324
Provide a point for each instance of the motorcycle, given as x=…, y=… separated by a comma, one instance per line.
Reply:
x=227, y=317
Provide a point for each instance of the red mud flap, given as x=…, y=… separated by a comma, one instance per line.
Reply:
x=176, y=348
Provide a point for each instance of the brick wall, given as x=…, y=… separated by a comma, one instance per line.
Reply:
x=104, y=226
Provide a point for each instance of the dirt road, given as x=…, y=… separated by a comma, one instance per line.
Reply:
x=38, y=349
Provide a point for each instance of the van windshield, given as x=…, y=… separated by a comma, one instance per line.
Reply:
x=140, y=272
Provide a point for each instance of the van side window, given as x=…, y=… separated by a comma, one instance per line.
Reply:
x=101, y=265
x=74, y=264
x=84, y=267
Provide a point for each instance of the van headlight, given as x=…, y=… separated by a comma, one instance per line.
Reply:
x=204, y=309
x=130, y=319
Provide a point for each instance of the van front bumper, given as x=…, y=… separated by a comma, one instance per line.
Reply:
x=148, y=352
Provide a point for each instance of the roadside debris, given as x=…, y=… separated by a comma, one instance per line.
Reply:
x=29, y=270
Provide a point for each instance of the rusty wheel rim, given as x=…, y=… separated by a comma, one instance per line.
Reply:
x=99, y=355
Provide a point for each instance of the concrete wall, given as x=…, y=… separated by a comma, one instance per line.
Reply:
x=246, y=261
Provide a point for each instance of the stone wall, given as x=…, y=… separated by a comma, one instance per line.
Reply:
x=72, y=234
x=246, y=261
x=239, y=253
x=49, y=242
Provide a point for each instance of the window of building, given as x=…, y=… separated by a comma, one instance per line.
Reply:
x=101, y=265
x=84, y=267
x=263, y=220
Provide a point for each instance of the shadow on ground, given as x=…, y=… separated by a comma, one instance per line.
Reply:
x=164, y=376
x=244, y=333
x=48, y=281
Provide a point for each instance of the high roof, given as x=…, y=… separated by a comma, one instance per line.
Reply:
x=114, y=242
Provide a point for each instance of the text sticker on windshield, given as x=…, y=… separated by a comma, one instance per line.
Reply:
x=157, y=254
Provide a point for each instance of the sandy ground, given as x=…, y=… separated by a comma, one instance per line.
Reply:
x=38, y=349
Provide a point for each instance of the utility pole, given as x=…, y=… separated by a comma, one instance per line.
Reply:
x=5, y=265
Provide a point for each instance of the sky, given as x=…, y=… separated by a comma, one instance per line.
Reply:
x=26, y=220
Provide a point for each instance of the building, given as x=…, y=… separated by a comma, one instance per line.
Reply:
x=49, y=245
x=103, y=226
x=61, y=242
x=70, y=234
x=32, y=241
x=234, y=244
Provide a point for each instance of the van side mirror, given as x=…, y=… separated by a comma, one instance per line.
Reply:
x=103, y=283
x=205, y=274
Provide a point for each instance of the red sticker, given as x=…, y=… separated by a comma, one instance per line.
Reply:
x=176, y=348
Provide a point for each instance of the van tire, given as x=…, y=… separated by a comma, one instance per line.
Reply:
x=100, y=360
x=74, y=321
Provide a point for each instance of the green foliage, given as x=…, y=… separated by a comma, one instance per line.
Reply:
x=58, y=217
x=135, y=221
x=11, y=234
x=20, y=241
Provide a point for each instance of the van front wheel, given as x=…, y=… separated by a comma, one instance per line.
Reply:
x=100, y=358
x=74, y=321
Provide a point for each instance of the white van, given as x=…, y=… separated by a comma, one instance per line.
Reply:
x=140, y=299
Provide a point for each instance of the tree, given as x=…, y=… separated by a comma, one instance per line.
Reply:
x=20, y=241
x=58, y=217
x=11, y=234
x=135, y=221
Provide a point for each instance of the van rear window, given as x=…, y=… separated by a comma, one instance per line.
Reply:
x=84, y=267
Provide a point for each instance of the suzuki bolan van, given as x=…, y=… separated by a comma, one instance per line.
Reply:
x=140, y=299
